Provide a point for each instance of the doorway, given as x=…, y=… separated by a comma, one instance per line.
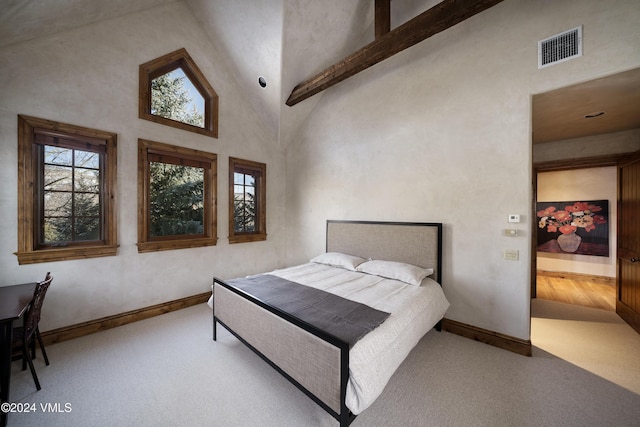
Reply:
x=579, y=276
x=582, y=126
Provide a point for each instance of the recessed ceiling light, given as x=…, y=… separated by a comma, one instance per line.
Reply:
x=592, y=115
x=262, y=81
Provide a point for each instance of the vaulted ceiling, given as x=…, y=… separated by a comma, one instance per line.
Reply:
x=288, y=41
x=283, y=41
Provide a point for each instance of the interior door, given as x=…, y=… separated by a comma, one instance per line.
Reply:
x=628, y=284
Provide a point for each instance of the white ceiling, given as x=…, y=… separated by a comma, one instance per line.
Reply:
x=288, y=41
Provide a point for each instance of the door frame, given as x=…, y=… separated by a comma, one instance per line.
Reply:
x=559, y=165
x=628, y=314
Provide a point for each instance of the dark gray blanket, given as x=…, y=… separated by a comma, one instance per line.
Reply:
x=340, y=317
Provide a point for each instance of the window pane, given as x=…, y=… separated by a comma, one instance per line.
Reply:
x=87, y=205
x=176, y=200
x=58, y=155
x=57, y=230
x=87, y=180
x=173, y=96
x=238, y=178
x=71, y=195
x=244, y=213
x=87, y=159
x=87, y=229
x=244, y=207
x=58, y=178
x=57, y=204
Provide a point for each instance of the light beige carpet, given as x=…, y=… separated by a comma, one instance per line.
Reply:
x=167, y=371
x=598, y=341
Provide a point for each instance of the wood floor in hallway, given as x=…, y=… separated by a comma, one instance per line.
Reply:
x=587, y=291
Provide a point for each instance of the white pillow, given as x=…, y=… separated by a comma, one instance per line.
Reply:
x=407, y=273
x=336, y=259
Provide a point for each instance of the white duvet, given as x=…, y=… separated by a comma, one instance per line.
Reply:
x=414, y=310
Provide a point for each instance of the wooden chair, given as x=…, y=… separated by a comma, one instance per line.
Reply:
x=24, y=336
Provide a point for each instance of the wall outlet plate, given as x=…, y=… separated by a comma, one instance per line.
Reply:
x=511, y=254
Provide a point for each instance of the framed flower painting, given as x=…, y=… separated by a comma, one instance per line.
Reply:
x=579, y=227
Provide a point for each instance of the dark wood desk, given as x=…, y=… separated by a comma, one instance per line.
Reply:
x=14, y=301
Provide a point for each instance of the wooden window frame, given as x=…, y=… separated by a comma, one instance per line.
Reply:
x=260, y=169
x=147, y=243
x=29, y=251
x=165, y=64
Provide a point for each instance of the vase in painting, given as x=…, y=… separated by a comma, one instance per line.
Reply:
x=569, y=242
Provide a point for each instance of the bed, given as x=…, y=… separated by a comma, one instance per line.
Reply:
x=401, y=275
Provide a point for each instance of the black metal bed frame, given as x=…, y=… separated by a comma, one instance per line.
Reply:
x=345, y=417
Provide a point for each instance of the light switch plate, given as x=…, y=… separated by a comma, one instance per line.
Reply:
x=511, y=254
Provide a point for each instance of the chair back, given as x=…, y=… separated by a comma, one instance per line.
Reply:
x=32, y=318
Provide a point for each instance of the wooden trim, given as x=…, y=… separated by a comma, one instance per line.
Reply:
x=63, y=254
x=210, y=232
x=628, y=314
x=382, y=17
x=165, y=64
x=433, y=21
x=85, y=328
x=495, y=339
x=628, y=247
x=578, y=276
x=580, y=163
x=260, y=170
x=28, y=252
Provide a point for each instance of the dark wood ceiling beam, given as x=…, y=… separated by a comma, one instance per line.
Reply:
x=383, y=17
x=437, y=19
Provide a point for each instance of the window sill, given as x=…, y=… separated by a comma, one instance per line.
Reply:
x=167, y=245
x=64, y=254
x=248, y=238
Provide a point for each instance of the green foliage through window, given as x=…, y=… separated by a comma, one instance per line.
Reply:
x=173, y=96
x=177, y=197
x=176, y=200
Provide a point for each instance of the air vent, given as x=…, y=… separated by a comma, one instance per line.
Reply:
x=560, y=48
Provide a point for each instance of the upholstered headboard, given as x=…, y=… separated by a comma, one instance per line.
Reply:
x=414, y=243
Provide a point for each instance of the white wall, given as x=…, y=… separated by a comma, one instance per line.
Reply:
x=442, y=132
x=581, y=184
x=89, y=77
